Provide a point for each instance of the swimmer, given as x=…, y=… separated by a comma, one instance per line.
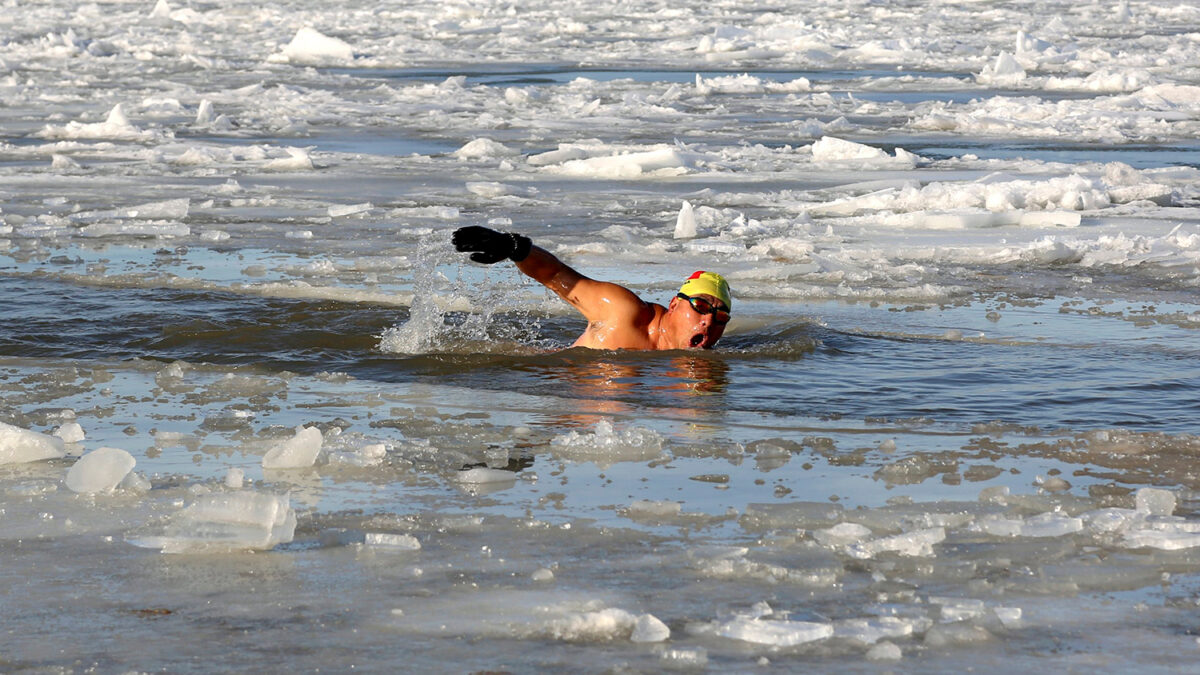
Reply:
x=617, y=318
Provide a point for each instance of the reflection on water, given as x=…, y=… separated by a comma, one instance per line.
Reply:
x=606, y=384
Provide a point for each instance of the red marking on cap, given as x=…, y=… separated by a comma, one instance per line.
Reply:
x=695, y=275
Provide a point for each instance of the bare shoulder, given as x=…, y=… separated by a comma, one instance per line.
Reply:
x=605, y=301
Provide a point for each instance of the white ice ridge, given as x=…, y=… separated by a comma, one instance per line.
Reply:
x=832, y=150
x=597, y=160
x=115, y=127
x=19, y=446
x=239, y=520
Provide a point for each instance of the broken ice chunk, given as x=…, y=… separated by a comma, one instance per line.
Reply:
x=100, y=471
x=775, y=633
x=1155, y=502
x=915, y=543
x=70, y=432
x=298, y=452
x=648, y=628
x=231, y=521
x=18, y=446
x=400, y=542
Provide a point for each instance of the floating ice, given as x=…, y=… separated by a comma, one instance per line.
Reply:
x=1041, y=525
x=297, y=160
x=115, y=127
x=298, y=452
x=870, y=631
x=662, y=161
x=310, y=47
x=884, y=651
x=18, y=445
x=483, y=474
x=100, y=470
x=648, y=628
x=608, y=445
x=773, y=632
x=235, y=478
x=685, y=222
x=233, y=521
x=1154, y=501
x=842, y=534
x=916, y=543
x=1005, y=71
x=69, y=432
x=402, y=542
x=484, y=148
x=832, y=150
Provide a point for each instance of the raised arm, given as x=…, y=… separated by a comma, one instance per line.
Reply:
x=596, y=300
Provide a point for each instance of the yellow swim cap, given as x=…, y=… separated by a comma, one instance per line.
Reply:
x=708, y=283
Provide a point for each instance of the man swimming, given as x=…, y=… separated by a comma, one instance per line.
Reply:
x=617, y=318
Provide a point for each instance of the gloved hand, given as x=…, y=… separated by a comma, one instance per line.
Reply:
x=488, y=246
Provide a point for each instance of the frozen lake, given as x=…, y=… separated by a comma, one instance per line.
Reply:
x=256, y=413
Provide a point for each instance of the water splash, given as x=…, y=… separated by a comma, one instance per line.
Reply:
x=463, y=308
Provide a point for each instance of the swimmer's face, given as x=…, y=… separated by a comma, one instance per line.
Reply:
x=700, y=320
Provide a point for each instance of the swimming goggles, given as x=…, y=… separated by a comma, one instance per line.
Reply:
x=702, y=306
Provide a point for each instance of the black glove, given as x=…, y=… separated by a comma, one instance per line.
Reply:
x=489, y=246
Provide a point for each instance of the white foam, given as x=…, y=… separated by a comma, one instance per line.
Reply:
x=18, y=446
x=100, y=471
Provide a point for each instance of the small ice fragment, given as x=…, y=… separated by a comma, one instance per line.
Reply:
x=135, y=482
x=1155, y=502
x=646, y=509
x=915, y=543
x=648, y=628
x=1010, y=617
x=297, y=160
x=841, y=534
x=100, y=470
x=311, y=47
x=483, y=148
x=18, y=445
x=405, y=542
x=685, y=223
x=234, y=478
x=70, y=432
x=695, y=657
x=298, y=452
x=884, y=651
x=829, y=149
x=775, y=633
x=482, y=474
x=339, y=210
x=205, y=114
x=542, y=575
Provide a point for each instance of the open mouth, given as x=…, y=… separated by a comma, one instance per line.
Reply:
x=697, y=339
